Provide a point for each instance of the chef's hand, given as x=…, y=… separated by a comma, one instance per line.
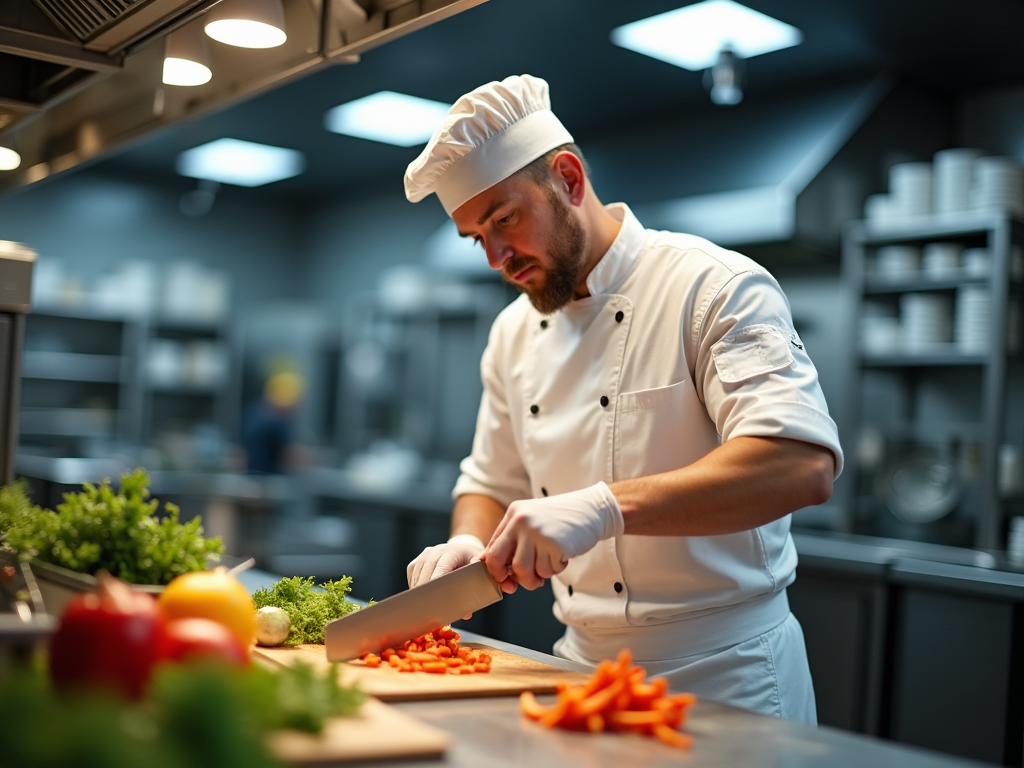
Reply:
x=536, y=538
x=444, y=558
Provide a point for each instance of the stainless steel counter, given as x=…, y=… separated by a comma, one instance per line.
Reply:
x=491, y=733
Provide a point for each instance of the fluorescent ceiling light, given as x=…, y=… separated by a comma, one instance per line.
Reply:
x=231, y=161
x=393, y=118
x=9, y=159
x=692, y=37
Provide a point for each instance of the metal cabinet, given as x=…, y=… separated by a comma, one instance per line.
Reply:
x=920, y=651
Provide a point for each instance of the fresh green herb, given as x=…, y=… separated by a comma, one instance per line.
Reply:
x=309, y=609
x=99, y=529
x=196, y=716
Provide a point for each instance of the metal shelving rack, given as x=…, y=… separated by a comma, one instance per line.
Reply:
x=999, y=373
x=102, y=357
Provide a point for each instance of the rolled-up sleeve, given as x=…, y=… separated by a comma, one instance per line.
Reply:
x=756, y=378
x=494, y=468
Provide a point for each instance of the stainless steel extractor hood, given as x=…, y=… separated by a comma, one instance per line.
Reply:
x=81, y=77
x=781, y=179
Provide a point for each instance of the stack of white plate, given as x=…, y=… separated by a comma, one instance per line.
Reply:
x=977, y=262
x=998, y=185
x=880, y=335
x=941, y=260
x=973, y=319
x=952, y=174
x=895, y=261
x=878, y=210
x=910, y=189
x=926, y=321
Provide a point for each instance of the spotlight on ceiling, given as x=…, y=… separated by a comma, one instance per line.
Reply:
x=244, y=163
x=725, y=80
x=393, y=118
x=10, y=158
x=247, y=23
x=186, y=59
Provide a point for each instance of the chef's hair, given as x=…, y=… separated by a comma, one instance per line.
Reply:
x=539, y=170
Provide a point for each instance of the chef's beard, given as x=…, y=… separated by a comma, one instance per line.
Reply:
x=566, y=256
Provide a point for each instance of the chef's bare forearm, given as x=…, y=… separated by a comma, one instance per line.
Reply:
x=476, y=514
x=744, y=483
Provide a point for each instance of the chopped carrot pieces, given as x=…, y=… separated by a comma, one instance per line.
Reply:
x=618, y=697
x=436, y=652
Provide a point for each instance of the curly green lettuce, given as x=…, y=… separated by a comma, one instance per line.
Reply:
x=100, y=529
x=309, y=609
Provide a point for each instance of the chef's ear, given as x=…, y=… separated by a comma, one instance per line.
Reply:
x=569, y=176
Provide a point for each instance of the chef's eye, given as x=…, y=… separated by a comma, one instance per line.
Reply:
x=506, y=218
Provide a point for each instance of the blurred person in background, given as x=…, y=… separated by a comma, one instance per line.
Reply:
x=267, y=426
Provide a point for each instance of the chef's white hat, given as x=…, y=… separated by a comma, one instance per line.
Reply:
x=487, y=135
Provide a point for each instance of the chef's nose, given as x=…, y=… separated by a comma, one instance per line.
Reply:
x=498, y=252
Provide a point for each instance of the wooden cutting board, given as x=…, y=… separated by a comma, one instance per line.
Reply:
x=510, y=675
x=378, y=732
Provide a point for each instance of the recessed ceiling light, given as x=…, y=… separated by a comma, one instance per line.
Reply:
x=231, y=161
x=693, y=36
x=393, y=118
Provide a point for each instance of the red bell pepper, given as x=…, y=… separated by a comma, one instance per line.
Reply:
x=111, y=639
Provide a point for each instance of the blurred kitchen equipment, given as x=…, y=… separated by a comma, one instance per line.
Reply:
x=977, y=262
x=1015, y=541
x=880, y=335
x=973, y=319
x=1010, y=480
x=941, y=260
x=878, y=210
x=910, y=187
x=193, y=293
x=897, y=261
x=922, y=487
x=998, y=185
x=926, y=321
x=953, y=171
x=16, y=265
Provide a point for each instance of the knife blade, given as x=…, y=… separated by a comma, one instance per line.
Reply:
x=412, y=613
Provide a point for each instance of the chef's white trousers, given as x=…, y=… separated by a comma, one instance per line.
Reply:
x=767, y=673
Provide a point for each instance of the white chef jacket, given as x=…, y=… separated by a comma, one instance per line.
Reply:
x=681, y=345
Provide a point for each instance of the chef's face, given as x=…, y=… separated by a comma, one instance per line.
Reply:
x=532, y=235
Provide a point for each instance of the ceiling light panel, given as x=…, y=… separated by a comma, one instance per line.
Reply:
x=243, y=163
x=692, y=36
x=393, y=118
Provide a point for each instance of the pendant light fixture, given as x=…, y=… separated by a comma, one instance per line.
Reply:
x=247, y=23
x=10, y=158
x=186, y=59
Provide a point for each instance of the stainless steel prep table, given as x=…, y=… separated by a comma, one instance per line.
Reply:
x=490, y=733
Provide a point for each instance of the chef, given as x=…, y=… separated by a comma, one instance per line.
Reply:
x=649, y=419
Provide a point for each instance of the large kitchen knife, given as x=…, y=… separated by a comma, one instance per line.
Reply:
x=409, y=614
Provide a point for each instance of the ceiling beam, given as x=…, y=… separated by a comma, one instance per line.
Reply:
x=55, y=51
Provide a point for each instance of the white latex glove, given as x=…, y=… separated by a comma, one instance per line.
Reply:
x=536, y=538
x=444, y=558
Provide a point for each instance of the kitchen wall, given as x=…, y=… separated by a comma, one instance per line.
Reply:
x=93, y=221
